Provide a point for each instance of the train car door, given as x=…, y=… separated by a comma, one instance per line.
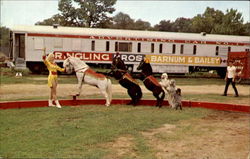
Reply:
x=19, y=49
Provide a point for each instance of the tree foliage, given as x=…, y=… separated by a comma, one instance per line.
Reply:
x=55, y=19
x=182, y=25
x=142, y=25
x=231, y=24
x=247, y=29
x=179, y=25
x=207, y=21
x=164, y=26
x=4, y=37
x=123, y=21
x=94, y=13
x=88, y=13
x=216, y=22
x=211, y=21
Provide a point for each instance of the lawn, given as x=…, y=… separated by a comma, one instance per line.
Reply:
x=83, y=132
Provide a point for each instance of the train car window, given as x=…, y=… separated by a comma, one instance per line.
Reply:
x=160, y=48
x=173, y=48
x=182, y=49
x=194, y=49
x=93, y=45
x=76, y=44
x=38, y=43
x=107, y=45
x=123, y=46
x=139, y=47
x=229, y=49
x=152, y=47
x=217, y=50
x=116, y=46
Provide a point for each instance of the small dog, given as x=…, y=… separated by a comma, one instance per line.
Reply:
x=174, y=95
x=177, y=99
x=164, y=81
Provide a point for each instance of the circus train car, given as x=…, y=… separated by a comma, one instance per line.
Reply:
x=167, y=51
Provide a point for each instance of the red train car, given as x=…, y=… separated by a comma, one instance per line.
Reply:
x=242, y=62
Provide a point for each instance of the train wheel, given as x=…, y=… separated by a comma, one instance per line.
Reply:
x=36, y=68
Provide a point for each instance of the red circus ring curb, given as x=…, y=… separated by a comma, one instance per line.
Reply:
x=208, y=105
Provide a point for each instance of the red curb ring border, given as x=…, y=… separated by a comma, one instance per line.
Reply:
x=208, y=105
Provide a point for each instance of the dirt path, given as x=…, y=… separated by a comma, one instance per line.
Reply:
x=214, y=89
x=220, y=135
x=20, y=91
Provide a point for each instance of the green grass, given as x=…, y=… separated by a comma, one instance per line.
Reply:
x=215, y=98
x=81, y=132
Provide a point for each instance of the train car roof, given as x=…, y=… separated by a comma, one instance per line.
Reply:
x=127, y=33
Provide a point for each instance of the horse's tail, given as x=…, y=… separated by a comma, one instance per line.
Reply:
x=109, y=89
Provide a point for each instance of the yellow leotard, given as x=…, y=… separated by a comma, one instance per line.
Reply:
x=53, y=68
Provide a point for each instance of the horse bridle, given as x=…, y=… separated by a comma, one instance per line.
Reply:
x=73, y=67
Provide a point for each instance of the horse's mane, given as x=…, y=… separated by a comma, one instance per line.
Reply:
x=75, y=60
x=74, y=63
x=147, y=69
x=120, y=64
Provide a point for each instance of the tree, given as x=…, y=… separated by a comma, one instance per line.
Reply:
x=123, y=21
x=55, y=19
x=216, y=22
x=4, y=37
x=247, y=29
x=164, y=26
x=182, y=25
x=4, y=40
x=90, y=13
x=68, y=14
x=207, y=21
x=95, y=11
x=232, y=24
x=142, y=25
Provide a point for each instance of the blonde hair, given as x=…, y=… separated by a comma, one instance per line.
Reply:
x=50, y=56
x=146, y=60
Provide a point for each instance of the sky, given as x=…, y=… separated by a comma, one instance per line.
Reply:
x=28, y=12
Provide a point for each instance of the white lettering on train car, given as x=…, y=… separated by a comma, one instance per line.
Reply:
x=87, y=56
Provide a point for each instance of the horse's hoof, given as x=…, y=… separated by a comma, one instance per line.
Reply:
x=107, y=105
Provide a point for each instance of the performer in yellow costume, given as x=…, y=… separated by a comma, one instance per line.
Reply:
x=52, y=78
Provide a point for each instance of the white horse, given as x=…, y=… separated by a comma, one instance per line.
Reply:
x=87, y=75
